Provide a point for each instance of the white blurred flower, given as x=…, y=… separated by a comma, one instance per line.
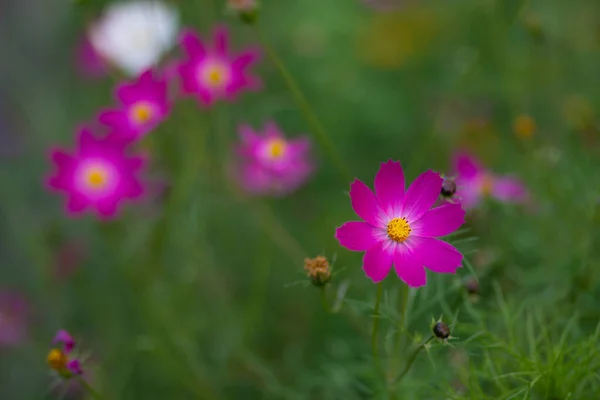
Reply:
x=134, y=35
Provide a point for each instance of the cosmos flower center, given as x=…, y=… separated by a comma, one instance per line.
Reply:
x=96, y=177
x=142, y=112
x=215, y=74
x=398, y=230
x=57, y=359
x=277, y=148
x=487, y=184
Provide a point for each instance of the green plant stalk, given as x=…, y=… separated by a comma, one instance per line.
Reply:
x=404, y=292
x=305, y=108
x=324, y=299
x=375, y=333
x=412, y=359
x=89, y=389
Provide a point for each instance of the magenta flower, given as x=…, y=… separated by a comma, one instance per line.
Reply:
x=63, y=360
x=474, y=182
x=98, y=175
x=214, y=74
x=271, y=164
x=144, y=105
x=14, y=313
x=400, y=229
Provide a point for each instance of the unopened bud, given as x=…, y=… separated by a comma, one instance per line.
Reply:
x=318, y=270
x=448, y=188
x=472, y=286
x=247, y=10
x=441, y=330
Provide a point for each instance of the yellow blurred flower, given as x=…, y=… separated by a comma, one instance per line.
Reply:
x=578, y=112
x=524, y=126
x=393, y=38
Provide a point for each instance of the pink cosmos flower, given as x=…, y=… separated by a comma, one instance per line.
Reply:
x=89, y=63
x=271, y=164
x=144, y=105
x=14, y=313
x=63, y=360
x=214, y=74
x=474, y=182
x=400, y=229
x=98, y=175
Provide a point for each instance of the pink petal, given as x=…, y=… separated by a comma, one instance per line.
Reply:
x=364, y=203
x=377, y=262
x=77, y=203
x=107, y=208
x=509, y=189
x=358, y=236
x=61, y=159
x=246, y=58
x=440, y=221
x=300, y=146
x=86, y=139
x=466, y=165
x=221, y=36
x=389, y=187
x=439, y=256
x=409, y=267
x=422, y=194
x=247, y=134
x=192, y=44
x=468, y=194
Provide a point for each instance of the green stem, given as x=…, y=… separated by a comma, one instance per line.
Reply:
x=324, y=299
x=401, y=328
x=412, y=359
x=304, y=105
x=88, y=388
x=374, y=335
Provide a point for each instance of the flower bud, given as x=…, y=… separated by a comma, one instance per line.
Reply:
x=472, y=286
x=247, y=10
x=441, y=330
x=448, y=188
x=318, y=270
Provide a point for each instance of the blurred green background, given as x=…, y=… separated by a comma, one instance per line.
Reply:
x=201, y=294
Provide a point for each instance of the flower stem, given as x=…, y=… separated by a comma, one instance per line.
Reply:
x=324, y=299
x=412, y=359
x=374, y=335
x=89, y=389
x=404, y=292
x=304, y=105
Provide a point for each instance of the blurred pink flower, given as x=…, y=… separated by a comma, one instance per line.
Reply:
x=271, y=164
x=89, y=63
x=214, y=74
x=144, y=105
x=63, y=360
x=14, y=314
x=400, y=229
x=474, y=182
x=99, y=175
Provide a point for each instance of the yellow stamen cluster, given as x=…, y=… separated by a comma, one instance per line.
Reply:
x=141, y=113
x=398, y=230
x=57, y=360
x=96, y=177
x=277, y=148
x=487, y=185
x=318, y=270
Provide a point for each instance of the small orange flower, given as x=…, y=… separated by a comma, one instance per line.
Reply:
x=318, y=270
x=524, y=126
